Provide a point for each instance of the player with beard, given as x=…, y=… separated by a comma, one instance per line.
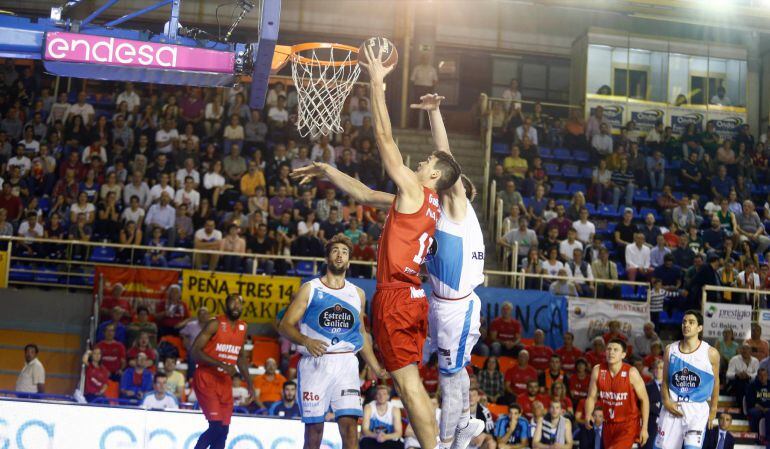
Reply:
x=330, y=312
x=218, y=351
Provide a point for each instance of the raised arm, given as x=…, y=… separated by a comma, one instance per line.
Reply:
x=406, y=180
x=353, y=187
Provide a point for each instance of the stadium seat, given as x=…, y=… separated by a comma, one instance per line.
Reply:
x=478, y=361
x=570, y=171
x=505, y=363
x=176, y=342
x=20, y=276
x=607, y=211
x=642, y=196
x=552, y=169
x=303, y=268
x=497, y=410
x=591, y=208
x=103, y=254
x=562, y=154
x=648, y=210
x=586, y=173
x=46, y=275
x=627, y=292
x=580, y=155
x=576, y=187
x=559, y=188
x=545, y=153
x=264, y=348
x=44, y=203
x=500, y=148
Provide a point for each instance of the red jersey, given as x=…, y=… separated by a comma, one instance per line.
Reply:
x=113, y=353
x=595, y=358
x=175, y=313
x=569, y=358
x=578, y=387
x=519, y=377
x=226, y=344
x=617, y=396
x=526, y=403
x=506, y=330
x=96, y=378
x=539, y=356
x=650, y=359
x=405, y=241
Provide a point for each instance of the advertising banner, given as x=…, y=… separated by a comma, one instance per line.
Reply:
x=727, y=121
x=718, y=317
x=681, y=117
x=264, y=295
x=588, y=318
x=38, y=425
x=142, y=285
x=646, y=115
x=614, y=111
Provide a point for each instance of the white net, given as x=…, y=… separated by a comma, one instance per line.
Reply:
x=323, y=78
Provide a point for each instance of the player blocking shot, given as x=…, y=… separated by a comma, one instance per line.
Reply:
x=619, y=390
x=218, y=351
x=690, y=390
x=325, y=319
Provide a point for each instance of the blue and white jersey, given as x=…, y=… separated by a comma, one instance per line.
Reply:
x=381, y=423
x=333, y=316
x=690, y=376
x=456, y=267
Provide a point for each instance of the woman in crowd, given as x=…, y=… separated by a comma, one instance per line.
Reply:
x=491, y=380
x=97, y=376
x=131, y=234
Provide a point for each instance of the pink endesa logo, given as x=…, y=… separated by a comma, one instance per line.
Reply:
x=85, y=48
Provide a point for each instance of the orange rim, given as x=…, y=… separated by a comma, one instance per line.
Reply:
x=295, y=50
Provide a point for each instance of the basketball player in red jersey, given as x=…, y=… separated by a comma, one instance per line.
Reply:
x=219, y=353
x=399, y=306
x=617, y=386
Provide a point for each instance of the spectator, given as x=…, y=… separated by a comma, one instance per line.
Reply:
x=381, y=426
x=593, y=126
x=759, y=347
x=591, y=437
x=515, y=165
x=116, y=315
x=581, y=272
x=136, y=380
x=638, y=259
x=568, y=353
x=31, y=379
x=748, y=226
x=189, y=331
x=539, y=353
x=142, y=346
x=623, y=184
x=96, y=376
x=160, y=399
x=553, y=431
x=172, y=313
x=512, y=430
x=584, y=228
x=597, y=353
x=210, y=239
x=518, y=375
x=254, y=178
x=162, y=215
x=269, y=384
x=530, y=397
x=741, y=371
x=525, y=237
x=659, y=252
x=563, y=287
x=141, y=324
x=758, y=400
x=233, y=244
x=167, y=138
x=485, y=440
x=491, y=380
x=720, y=437
x=505, y=332
x=287, y=407
x=578, y=382
x=259, y=242
x=363, y=251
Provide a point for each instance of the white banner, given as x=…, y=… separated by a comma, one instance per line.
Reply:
x=39, y=425
x=718, y=317
x=588, y=318
x=726, y=122
x=646, y=115
x=681, y=117
x=764, y=321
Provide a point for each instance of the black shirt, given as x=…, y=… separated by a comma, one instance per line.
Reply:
x=626, y=231
x=332, y=229
x=266, y=246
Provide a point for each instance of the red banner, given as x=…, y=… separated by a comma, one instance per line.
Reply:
x=141, y=285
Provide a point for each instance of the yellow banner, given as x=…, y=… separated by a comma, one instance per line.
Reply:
x=264, y=296
x=4, y=265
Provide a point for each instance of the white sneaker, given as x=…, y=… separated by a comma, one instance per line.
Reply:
x=464, y=436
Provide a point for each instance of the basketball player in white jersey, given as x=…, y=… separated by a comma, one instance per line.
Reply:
x=455, y=269
x=690, y=390
x=330, y=313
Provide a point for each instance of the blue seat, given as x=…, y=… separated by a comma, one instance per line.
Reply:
x=627, y=292
x=559, y=188
x=576, y=187
x=103, y=254
x=621, y=270
x=642, y=196
x=580, y=155
x=674, y=165
x=591, y=208
x=20, y=276
x=545, y=153
x=304, y=268
x=611, y=227
x=44, y=203
x=562, y=154
x=648, y=210
x=570, y=171
x=47, y=276
x=608, y=211
x=609, y=245
x=586, y=172
x=500, y=148
x=552, y=169
x=179, y=260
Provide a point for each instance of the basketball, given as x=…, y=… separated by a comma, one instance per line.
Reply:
x=389, y=52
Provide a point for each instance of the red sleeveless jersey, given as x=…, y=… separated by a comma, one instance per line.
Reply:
x=405, y=241
x=227, y=343
x=616, y=394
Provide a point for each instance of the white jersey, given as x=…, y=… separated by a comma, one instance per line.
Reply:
x=457, y=265
x=690, y=376
x=333, y=316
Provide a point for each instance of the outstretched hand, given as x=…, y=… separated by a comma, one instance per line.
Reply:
x=308, y=173
x=429, y=102
x=373, y=63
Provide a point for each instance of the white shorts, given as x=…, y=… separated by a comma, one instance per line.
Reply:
x=453, y=326
x=328, y=381
x=690, y=430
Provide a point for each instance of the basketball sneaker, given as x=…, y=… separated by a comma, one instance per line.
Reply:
x=464, y=436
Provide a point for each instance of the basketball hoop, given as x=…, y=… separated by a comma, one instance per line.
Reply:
x=323, y=75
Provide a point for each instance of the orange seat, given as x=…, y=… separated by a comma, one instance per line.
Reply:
x=478, y=361
x=264, y=348
x=113, y=390
x=505, y=363
x=177, y=343
x=527, y=341
x=497, y=410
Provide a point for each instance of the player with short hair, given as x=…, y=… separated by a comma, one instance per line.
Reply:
x=690, y=390
x=330, y=314
x=218, y=351
x=618, y=386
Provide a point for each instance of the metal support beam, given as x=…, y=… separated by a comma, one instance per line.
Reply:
x=128, y=17
x=98, y=12
x=173, y=24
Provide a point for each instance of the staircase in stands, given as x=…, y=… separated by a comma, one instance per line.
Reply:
x=744, y=437
x=59, y=353
x=469, y=153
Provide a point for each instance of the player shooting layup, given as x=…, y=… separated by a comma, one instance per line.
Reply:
x=617, y=386
x=690, y=390
x=330, y=313
x=455, y=270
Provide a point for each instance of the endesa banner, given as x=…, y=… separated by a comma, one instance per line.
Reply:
x=589, y=317
x=142, y=285
x=264, y=295
x=39, y=425
x=718, y=316
x=103, y=50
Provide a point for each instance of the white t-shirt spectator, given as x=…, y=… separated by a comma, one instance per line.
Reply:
x=132, y=100
x=88, y=209
x=30, y=377
x=33, y=146
x=566, y=249
x=531, y=133
x=302, y=228
x=553, y=270
x=602, y=143
x=201, y=235
x=84, y=111
x=157, y=190
x=637, y=257
x=91, y=151
x=182, y=173
x=278, y=115
x=211, y=180
x=35, y=231
x=191, y=198
x=164, y=140
x=233, y=132
x=512, y=96
x=132, y=215
x=240, y=394
x=23, y=163
x=424, y=75
x=584, y=230
x=168, y=402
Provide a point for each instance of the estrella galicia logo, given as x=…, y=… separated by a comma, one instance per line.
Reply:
x=686, y=380
x=647, y=116
x=336, y=319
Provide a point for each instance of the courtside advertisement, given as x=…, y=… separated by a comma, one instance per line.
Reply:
x=717, y=317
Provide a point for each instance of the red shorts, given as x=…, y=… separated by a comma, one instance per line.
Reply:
x=214, y=391
x=620, y=435
x=400, y=325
